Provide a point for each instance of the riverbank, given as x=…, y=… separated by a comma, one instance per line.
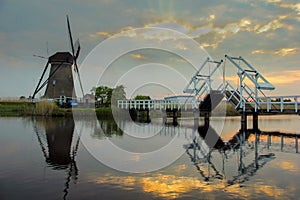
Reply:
x=46, y=108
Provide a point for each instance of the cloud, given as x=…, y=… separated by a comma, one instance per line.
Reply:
x=137, y=56
x=280, y=52
x=276, y=78
x=100, y=33
x=209, y=34
x=284, y=77
x=258, y=51
x=272, y=25
x=286, y=51
x=295, y=7
x=274, y=1
x=181, y=46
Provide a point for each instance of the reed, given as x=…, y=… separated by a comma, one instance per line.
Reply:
x=47, y=108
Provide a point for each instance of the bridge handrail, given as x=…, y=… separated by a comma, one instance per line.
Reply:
x=294, y=100
x=155, y=104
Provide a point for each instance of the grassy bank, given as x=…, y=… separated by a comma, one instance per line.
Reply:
x=46, y=108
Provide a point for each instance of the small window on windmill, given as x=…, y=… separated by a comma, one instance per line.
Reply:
x=53, y=82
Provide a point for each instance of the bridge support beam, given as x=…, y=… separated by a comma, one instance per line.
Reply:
x=196, y=117
x=255, y=121
x=296, y=141
x=148, y=120
x=164, y=115
x=269, y=140
x=206, y=119
x=244, y=122
x=175, y=117
x=256, y=150
x=282, y=142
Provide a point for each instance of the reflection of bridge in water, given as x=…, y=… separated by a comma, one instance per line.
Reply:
x=245, y=153
x=287, y=142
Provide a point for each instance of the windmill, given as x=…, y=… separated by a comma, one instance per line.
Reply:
x=59, y=83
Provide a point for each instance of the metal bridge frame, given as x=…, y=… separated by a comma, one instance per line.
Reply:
x=205, y=80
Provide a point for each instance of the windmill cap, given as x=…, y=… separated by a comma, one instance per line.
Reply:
x=61, y=57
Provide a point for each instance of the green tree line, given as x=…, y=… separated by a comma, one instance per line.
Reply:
x=106, y=96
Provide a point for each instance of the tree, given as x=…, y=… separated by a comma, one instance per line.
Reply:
x=142, y=97
x=118, y=94
x=105, y=96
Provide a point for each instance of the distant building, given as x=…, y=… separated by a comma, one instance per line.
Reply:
x=89, y=99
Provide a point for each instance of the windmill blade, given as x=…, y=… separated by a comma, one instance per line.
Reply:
x=77, y=47
x=79, y=79
x=39, y=83
x=70, y=35
x=73, y=53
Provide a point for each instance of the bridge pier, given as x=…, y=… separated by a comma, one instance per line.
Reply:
x=256, y=150
x=282, y=142
x=206, y=119
x=255, y=121
x=243, y=121
x=175, y=117
x=164, y=116
x=148, y=118
x=296, y=141
x=196, y=117
x=140, y=115
x=269, y=140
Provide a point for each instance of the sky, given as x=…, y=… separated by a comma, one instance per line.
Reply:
x=265, y=32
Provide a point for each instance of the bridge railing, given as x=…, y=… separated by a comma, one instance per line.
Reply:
x=262, y=103
x=280, y=103
x=156, y=105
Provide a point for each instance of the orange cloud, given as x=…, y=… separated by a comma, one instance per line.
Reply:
x=280, y=52
x=100, y=33
x=284, y=77
x=271, y=25
x=286, y=51
x=258, y=51
x=274, y=1
x=137, y=56
x=295, y=7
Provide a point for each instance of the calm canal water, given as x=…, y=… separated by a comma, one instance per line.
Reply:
x=51, y=159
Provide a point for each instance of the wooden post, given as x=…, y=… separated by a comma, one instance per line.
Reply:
x=244, y=121
x=282, y=142
x=138, y=115
x=269, y=140
x=296, y=143
x=164, y=115
x=196, y=118
x=255, y=121
x=175, y=117
x=148, y=120
x=256, y=150
x=206, y=119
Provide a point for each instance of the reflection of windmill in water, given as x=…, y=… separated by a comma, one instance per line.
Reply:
x=60, y=83
x=55, y=137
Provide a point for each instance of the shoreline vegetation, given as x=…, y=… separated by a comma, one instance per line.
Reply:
x=19, y=108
